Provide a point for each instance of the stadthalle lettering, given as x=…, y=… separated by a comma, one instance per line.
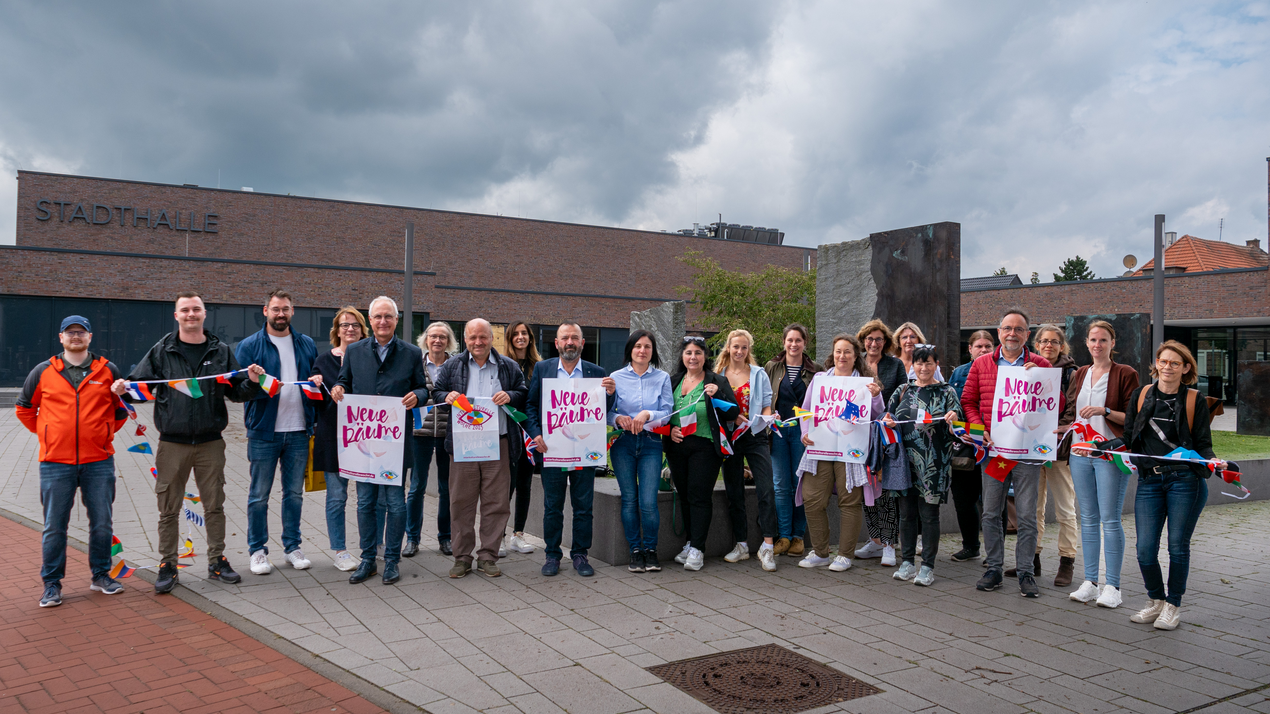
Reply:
x=98, y=214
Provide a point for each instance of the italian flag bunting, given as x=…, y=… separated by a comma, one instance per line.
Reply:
x=688, y=424
x=270, y=385
x=188, y=387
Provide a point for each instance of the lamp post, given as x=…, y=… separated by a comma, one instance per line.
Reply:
x=407, y=320
x=1157, y=282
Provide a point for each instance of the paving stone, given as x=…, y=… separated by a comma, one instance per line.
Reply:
x=522, y=654
x=1151, y=690
x=577, y=689
x=665, y=698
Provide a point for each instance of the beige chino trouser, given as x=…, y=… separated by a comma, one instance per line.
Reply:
x=817, y=488
x=1058, y=478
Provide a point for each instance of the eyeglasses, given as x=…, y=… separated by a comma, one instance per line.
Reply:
x=1049, y=343
x=382, y=318
x=280, y=310
x=920, y=346
x=1168, y=363
x=693, y=339
x=350, y=326
x=1013, y=330
x=874, y=339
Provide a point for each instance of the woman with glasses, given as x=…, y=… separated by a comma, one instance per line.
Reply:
x=753, y=391
x=348, y=327
x=929, y=450
x=522, y=347
x=966, y=481
x=907, y=337
x=1097, y=399
x=643, y=395
x=693, y=449
x=790, y=373
x=1050, y=342
x=1159, y=418
x=882, y=519
x=438, y=343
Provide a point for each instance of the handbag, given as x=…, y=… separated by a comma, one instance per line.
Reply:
x=313, y=480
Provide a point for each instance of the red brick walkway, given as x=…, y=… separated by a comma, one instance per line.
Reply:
x=136, y=652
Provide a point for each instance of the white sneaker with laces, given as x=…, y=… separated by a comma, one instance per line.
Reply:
x=869, y=550
x=811, y=560
x=907, y=571
x=520, y=545
x=260, y=564
x=840, y=564
x=695, y=559
x=1170, y=617
x=888, y=556
x=925, y=576
x=1110, y=597
x=297, y=560
x=1087, y=591
x=767, y=557
x=502, y=548
x=344, y=561
x=1148, y=614
x=739, y=553
x=683, y=554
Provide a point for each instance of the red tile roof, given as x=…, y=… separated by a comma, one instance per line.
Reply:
x=1196, y=255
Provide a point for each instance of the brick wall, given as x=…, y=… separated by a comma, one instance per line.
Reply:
x=464, y=250
x=1217, y=295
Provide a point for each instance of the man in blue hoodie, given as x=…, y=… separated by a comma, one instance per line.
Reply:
x=278, y=429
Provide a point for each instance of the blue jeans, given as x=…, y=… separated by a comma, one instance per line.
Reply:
x=289, y=449
x=1178, y=498
x=424, y=448
x=336, y=500
x=96, y=483
x=637, y=465
x=1100, y=489
x=581, y=485
x=371, y=530
x=786, y=453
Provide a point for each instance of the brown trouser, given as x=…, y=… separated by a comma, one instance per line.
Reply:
x=173, y=462
x=486, y=481
x=816, y=490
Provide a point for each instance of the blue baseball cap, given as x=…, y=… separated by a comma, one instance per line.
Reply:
x=76, y=320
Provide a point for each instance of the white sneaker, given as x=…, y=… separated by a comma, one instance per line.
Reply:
x=869, y=550
x=520, y=545
x=260, y=564
x=925, y=576
x=907, y=571
x=1110, y=597
x=1087, y=591
x=502, y=548
x=739, y=553
x=811, y=560
x=695, y=559
x=1169, y=617
x=840, y=564
x=296, y=559
x=767, y=557
x=344, y=561
x=683, y=554
x=1149, y=614
x=888, y=556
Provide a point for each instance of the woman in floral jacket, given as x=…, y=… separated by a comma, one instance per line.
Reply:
x=929, y=448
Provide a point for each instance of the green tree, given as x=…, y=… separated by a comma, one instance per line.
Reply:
x=763, y=302
x=1001, y=271
x=1073, y=269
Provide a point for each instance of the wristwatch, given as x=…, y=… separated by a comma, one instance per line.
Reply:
x=1106, y=412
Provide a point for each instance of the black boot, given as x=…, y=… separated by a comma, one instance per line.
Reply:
x=166, y=580
x=221, y=570
x=363, y=572
x=445, y=547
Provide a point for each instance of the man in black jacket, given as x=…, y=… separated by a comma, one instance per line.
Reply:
x=580, y=482
x=389, y=366
x=190, y=416
x=480, y=371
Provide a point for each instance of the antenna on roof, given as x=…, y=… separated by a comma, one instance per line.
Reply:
x=1220, y=225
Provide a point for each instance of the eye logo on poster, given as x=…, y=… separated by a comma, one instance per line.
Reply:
x=573, y=422
x=475, y=433
x=478, y=416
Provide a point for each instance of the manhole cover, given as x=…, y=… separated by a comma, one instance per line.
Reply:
x=769, y=678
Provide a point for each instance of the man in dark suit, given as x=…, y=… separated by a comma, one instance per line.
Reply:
x=579, y=481
x=389, y=366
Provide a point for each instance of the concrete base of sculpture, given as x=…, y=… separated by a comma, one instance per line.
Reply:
x=668, y=321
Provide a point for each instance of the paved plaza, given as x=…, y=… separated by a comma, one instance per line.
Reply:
x=525, y=643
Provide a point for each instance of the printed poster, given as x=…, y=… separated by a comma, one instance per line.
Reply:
x=476, y=432
x=371, y=440
x=1025, y=413
x=573, y=414
x=836, y=438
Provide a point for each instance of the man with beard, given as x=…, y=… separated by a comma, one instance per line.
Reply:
x=278, y=428
x=580, y=482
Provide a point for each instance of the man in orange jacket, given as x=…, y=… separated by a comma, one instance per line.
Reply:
x=67, y=402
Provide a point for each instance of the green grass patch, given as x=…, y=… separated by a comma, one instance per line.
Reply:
x=1229, y=445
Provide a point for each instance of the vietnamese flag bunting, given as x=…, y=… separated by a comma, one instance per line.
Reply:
x=999, y=467
x=270, y=385
x=139, y=391
x=188, y=387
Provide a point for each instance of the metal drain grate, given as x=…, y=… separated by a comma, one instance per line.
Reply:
x=762, y=679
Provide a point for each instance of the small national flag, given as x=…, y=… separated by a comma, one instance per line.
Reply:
x=742, y=426
x=850, y=412
x=418, y=416
x=1180, y=453
x=192, y=497
x=141, y=429
x=516, y=415
x=121, y=570
x=132, y=411
x=462, y=403
x=115, y=546
x=530, y=446
x=889, y=436
x=154, y=472
x=924, y=417
x=142, y=448
x=270, y=385
x=193, y=517
x=722, y=404
x=663, y=430
x=139, y=391
x=188, y=387
x=614, y=435
x=800, y=413
x=999, y=467
x=183, y=565
x=187, y=549
x=311, y=390
x=688, y=424
x=224, y=378
x=1122, y=462
x=1231, y=477
x=724, y=446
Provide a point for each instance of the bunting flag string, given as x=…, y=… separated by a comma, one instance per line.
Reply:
x=142, y=448
x=139, y=390
x=1121, y=458
x=516, y=415
x=116, y=547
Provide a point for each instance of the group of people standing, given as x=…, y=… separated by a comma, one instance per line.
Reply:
x=683, y=415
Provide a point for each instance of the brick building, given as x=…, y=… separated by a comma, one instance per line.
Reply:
x=117, y=251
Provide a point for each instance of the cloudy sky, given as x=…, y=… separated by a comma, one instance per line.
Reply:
x=1045, y=129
